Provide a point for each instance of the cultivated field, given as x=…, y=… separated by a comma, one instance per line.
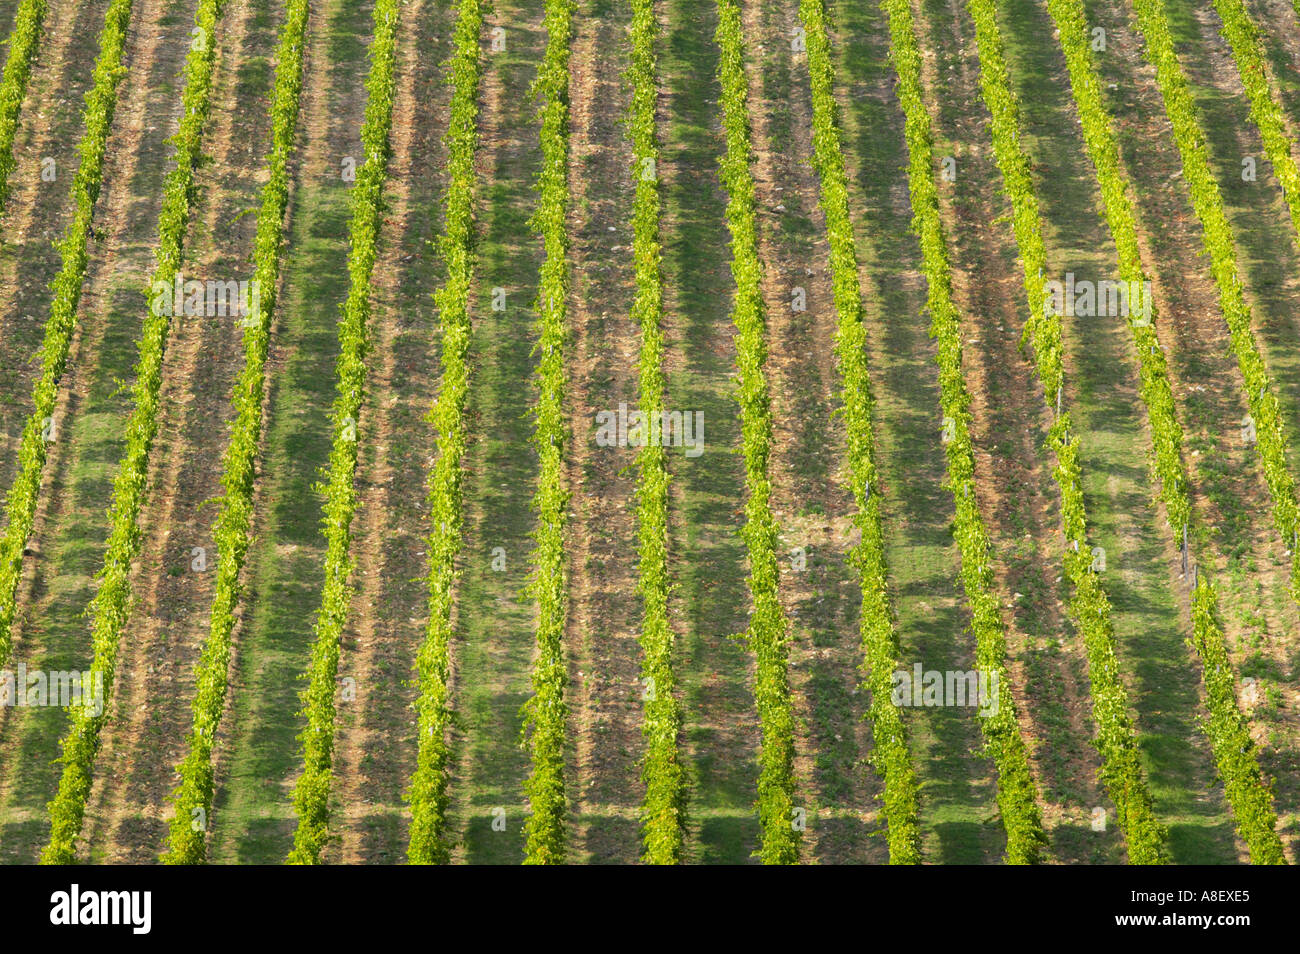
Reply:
x=665, y=431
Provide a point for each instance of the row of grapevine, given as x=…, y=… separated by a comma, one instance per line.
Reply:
x=1116, y=739
x=1017, y=792
x=1243, y=37
x=20, y=502
x=1228, y=731
x=192, y=798
x=879, y=641
x=663, y=827
x=111, y=606
x=24, y=40
x=547, y=712
x=312, y=791
x=1270, y=441
x=429, y=842
x=768, y=628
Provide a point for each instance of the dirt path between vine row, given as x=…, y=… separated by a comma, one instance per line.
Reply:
x=38, y=210
x=376, y=747
x=70, y=529
x=145, y=739
x=811, y=501
x=601, y=538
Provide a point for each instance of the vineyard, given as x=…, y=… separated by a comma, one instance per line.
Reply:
x=663, y=432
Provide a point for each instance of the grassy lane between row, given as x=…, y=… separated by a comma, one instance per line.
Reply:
x=1116, y=740
x=891, y=756
x=192, y=800
x=312, y=791
x=1017, y=790
x=1227, y=729
x=719, y=738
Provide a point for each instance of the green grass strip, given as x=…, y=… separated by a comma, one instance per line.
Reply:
x=20, y=502
x=546, y=710
x=1017, y=793
x=24, y=41
x=1116, y=739
x=192, y=798
x=663, y=811
x=1227, y=729
x=769, y=631
x=891, y=756
x=430, y=842
x=311, y=793
x=111, y=607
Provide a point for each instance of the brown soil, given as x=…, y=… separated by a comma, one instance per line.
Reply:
x=604, y=612
x=375, y=746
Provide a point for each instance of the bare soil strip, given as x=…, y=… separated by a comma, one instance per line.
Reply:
x=605, y=615
x=375, y=742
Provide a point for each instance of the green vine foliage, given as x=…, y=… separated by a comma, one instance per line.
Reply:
x=769, y=631
x=1116, y=738
x=663, y=811
x=546, y=711
x=65, y=290
x=24, y=41
x=430, y=842
x=1217, y=232
x=1227, y=729
x=312, y=791
x=192, y=799
x=111, y=607
x=1243, y=36
x=890, y=756
x=1017, y=792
